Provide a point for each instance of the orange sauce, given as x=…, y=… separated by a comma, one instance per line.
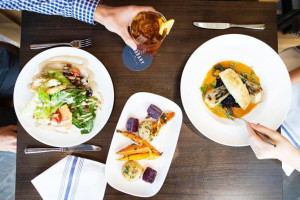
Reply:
x=239, y=68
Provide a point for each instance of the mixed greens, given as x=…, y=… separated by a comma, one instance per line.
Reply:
x=63, y=98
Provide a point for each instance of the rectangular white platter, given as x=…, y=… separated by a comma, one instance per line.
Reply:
x=166, y=142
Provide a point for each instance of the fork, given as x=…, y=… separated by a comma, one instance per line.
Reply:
x=74, y=43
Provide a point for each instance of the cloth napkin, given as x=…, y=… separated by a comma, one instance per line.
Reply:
x=290, y=128
x=72, y=178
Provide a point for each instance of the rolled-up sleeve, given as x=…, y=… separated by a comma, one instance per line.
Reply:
x=82, y=10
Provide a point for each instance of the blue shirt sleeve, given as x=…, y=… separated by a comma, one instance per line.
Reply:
x=82, y=10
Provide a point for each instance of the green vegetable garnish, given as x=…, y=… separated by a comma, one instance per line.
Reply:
x=203, y=89
x=126, y=171
x=59, y=76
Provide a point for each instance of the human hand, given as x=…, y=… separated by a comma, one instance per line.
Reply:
x=8, y=138
x=264, y=150
x=295, y=76
x=117, y=19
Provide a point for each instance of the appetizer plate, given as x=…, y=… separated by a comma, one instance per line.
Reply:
x=166, y=142
x=22, y=95
x=267, y=65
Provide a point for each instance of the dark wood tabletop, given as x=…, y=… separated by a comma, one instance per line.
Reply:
x=201, y=168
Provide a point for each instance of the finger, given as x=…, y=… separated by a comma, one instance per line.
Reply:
x=12, y=135
x=262, y=129
x=249, y=128
x=14, y=144
x=128, y=40
x=12, y=127
x=253, y=137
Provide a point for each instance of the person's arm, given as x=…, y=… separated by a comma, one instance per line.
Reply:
x=82, y=10
x=295, y=76
x=284, y=150
x=8, y=138
x=115, y=19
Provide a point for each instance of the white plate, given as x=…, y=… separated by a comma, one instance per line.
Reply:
x=22, y=95
x=267, y=65
x=136, y=106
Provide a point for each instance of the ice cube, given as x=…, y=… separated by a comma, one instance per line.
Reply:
x=141, y=39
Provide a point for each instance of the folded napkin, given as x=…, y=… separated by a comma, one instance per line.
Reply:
x=290, y=128
x=72, y=178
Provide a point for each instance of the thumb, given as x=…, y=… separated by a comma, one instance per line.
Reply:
x=128, y=40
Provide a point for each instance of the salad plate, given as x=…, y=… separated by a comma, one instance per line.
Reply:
x=63, y=96
x=165, y=142
x=264, y=63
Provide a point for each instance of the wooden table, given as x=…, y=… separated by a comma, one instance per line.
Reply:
x=201, y=169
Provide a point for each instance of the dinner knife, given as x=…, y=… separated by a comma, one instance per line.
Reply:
x=212, y=25
x=82, y=147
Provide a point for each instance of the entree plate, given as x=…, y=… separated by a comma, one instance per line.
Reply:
x=267, y=65
x=22, y=96
x=166, y=142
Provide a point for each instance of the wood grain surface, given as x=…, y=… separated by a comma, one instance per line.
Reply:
x=201, y=169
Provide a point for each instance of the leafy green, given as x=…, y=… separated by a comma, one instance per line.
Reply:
x=59, y=76
x=43, y=111
x=84, y=112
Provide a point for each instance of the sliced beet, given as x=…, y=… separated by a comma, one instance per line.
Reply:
x=149, y=175
x=132, y=124
x=154, y=111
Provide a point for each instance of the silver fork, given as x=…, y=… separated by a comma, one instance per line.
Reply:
x=74, y=43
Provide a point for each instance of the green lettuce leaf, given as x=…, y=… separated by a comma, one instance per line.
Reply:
x=59, y=76
x=43, y=111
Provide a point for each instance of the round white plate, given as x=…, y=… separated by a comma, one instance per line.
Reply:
x=267, y=65
x=22, y=95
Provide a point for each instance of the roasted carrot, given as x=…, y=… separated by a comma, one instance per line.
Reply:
x=164, y=119
x=138, y=140
x=134, y=149
x=140, y=156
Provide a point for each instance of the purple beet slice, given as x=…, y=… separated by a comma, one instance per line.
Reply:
x=154, y=111
x=149, y=175
x=132, y=124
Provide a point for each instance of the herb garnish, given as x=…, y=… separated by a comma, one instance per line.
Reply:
x=203, y=89
x=126, y=170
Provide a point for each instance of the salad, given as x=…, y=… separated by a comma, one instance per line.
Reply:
x=63, y=98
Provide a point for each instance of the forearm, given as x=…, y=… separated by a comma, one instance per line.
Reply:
x=292, y=158
x=295, y=76
x=82, y=10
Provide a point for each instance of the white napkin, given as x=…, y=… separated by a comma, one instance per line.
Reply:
x=290, y=128
x=72, y=178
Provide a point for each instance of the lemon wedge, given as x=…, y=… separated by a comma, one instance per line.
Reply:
x=166, y=25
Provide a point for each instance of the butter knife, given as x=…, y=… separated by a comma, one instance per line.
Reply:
x=212, y=25
x=82, y=147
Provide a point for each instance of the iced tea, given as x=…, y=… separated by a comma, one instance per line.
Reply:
x=145, y=31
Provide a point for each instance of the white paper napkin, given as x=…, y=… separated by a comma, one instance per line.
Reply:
x=72, y=178
x=290, y=128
